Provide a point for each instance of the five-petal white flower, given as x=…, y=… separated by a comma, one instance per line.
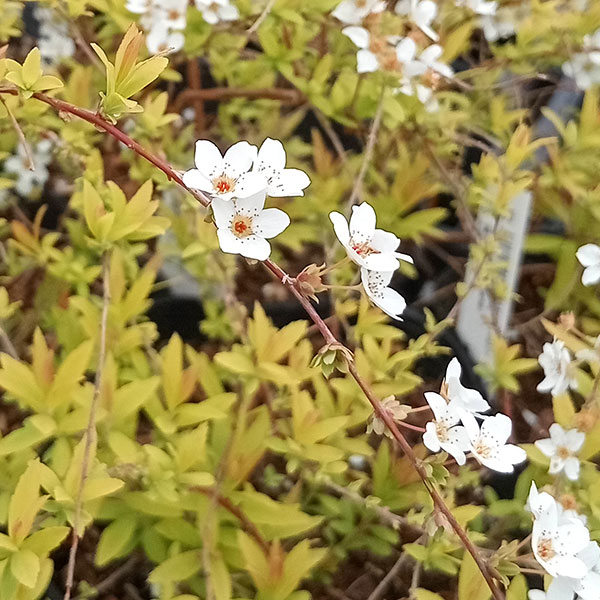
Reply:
x=464, y=399
x=488, y=443
x=589, y=256
x=244, y=225
x=281, y=182
x=226, y=176
x=214, y=11
x=556, y=538
x=444, y=432
x=556, y=362
x=376, y=285
x=368, y=247
x=562, y=447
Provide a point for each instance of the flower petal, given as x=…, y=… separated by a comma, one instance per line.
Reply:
x=430, y=438
x=384, y=241
x=588, y=255
x=238, y=159
x=340, y=226
x=251, y=206
x=195, y=180
x=366, y=62
x=362, y=223
x=223, y=212
x=290, y=182
x=208, y=159
x=437, y=404
x=359, y=36
x=591, y=275
x=380, y=262
x=249, y=184
x=270, y=222
x=272, y=155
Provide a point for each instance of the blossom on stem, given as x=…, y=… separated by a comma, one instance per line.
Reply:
x=226, y=176
x=465, y=400
x=421, y=13
x=244, y=225
x=161, y=40
x=397, y=411
x=377, y=287
x=281, y=182
x=371, y=248
x=444, y=432
x=589, y=256
x=562, y=447
x=214, y=11
x=488, y=442
x=352, y=12
x=556, y=362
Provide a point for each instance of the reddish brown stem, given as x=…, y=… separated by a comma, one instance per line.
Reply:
x=327, y=334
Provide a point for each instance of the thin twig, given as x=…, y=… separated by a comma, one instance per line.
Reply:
x=7, y=344
x=368, y=155
x=334, y=138
x=327, y=334
x=20, y=135
x=90, y=433
x=263, y=15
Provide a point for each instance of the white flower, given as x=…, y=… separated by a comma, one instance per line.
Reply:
x=589, y=256
x=161, y=40
x=556, y=362
x=281, y=182
x=138, y=7
x=584, y=69
x=27, y=181
x=561, y=447
x=429, y=59
x=352, y=12
x=226, y=176
x=557, y=539
x=397, y=411
x=501, y=24
x=244, y=225
x=214, y=11
x=444, y=432
x=479, y=7
x=367, y=246
x=366, y=60
x=465, y=400
x=54, y=39
x=172, y=13
x=488, y=443
x=376, y=285
x=421, y=13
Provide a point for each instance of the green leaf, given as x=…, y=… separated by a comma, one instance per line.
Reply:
x=517, y=589
x=177, y=568
x=115, y=539
x=471, y=584
x=423, y=594
x=25, y=566
x=42, y=542
x=25, y=503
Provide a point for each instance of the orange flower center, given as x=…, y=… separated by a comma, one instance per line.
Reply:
x=241, y=226
x=223, y=184
x=545, y=549
x=363, y=249
x=563, y=452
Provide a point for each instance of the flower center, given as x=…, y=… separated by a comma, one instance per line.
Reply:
x=546, y=549
x=483, y=449
x=442, y=431
x=241, y=226
x=173, y=15
x=363, y=249
x=223, y=184
x=563, y=452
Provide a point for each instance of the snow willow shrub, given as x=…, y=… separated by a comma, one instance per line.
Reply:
x=276, y=153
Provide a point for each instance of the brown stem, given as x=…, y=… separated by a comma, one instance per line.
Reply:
x=90, y=433
x=327, y=334
x=247, y=525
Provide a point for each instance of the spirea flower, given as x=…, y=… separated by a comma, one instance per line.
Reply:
x=228, y=176
x=164, y=22
x=54, y=39
x=371, y=248
x=557, y=539
x=589, y=256
x=397, y=411
x=214, y=11
x=562, y=448
x=464, y=399
x=488, y=442
x=556, y=362
x=421, y=13
x=244, y=225
x=445, y=432
x=376, y=285
x=161, y=39
x=29, y=180
x=281, y=182
x=352, y=12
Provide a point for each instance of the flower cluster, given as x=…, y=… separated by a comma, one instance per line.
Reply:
x=558, y=373
x=455, y=428
x=584, y=68
x=165, y=20
x=417, y=66
x=375, y=252
x=238, y=184
x=562, y=448
x=29, y=179
x=561, y=544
